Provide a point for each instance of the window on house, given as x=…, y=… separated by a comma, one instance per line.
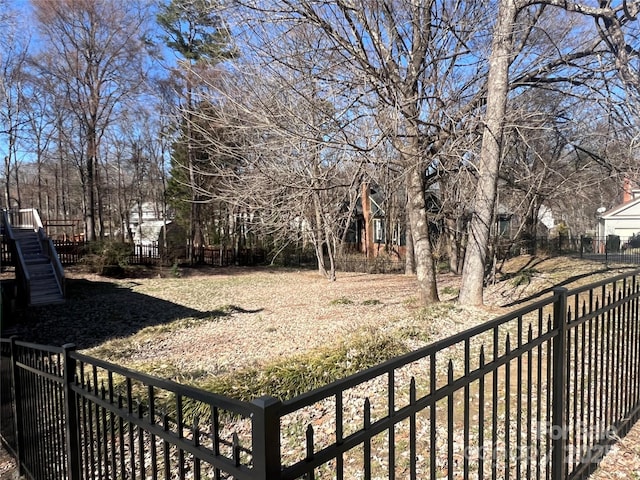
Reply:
x=398, y=236
x=378, y=230
x=504, y=225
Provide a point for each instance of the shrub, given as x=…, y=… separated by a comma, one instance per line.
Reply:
x=371, y=301
x=107, y=257
x=341, y=301
x=523, y=277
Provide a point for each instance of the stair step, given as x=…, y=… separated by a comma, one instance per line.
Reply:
x=44, y=286
x=44, y=281
x=35, y=257
x=42, y=276
x=36, y=264
x=48, y=300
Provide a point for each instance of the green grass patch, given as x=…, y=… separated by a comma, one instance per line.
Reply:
x=283, y=379
x=341, y=301
x=415, y=332
x=437, y=311
x=371, y=301
x=294, y=376
x=523, y=277
x=448, y=290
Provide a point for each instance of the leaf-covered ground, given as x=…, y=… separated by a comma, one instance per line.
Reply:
x=211, y=322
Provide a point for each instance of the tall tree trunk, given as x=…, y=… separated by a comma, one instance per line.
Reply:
x=424, y=261
x=409, y=262
x=472, y=286
x=330, y=251
x=194, y=220
x=164, y=201
x=7, y=181
x=453, y=244
x=18, y=188
x=39, y=167
x=90, y=210
x=61, y=181
x=57, y=188
x=100, y=203
x=319, y=235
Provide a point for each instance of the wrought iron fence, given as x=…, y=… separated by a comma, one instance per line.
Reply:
x=560, y=245
x=538, y=393
x=611, y=249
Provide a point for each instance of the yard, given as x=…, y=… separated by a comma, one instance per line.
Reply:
x=214, y=327
x=192, y=325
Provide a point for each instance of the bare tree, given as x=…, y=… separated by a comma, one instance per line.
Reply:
x=502, y=54
x=14, y=48
x=274, y=160
x=393, y=62
x=95, y=51
x=39, y=134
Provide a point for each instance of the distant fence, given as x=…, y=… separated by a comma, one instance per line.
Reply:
x=362, y=264
x=538, y=393
x=559, y=245
x=72, y=252
x=611, y=249
x=69, y=251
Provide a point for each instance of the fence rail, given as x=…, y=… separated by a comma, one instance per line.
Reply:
x=538, y=393
x=72, y=251
x=611, y=249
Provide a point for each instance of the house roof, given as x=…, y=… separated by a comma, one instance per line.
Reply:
x=629, y=210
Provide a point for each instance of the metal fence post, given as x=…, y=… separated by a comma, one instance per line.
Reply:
x=17, y=406
x=559, y=432
x=266, y=438
x=71, y=414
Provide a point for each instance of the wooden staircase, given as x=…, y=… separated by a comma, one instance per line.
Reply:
x=44, y=286
x=39, y=274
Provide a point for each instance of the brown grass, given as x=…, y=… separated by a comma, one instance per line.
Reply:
x=211, y=322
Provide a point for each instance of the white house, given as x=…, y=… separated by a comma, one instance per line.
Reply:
x=149, y=230
x=622, y=220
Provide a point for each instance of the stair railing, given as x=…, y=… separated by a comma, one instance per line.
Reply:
x=49, y=249
x=21, y=217
x=22, y=273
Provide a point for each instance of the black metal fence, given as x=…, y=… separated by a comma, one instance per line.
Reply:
x=538, y=393
x=611, y=249
x=560, y=245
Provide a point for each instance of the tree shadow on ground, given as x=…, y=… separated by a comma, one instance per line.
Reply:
x=98, y=311
x=541, y=293
x=530, y=265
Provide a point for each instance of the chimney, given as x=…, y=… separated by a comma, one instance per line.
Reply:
x=626, y=190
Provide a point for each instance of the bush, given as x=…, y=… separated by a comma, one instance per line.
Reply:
x=523, y=277
x=107, y=257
